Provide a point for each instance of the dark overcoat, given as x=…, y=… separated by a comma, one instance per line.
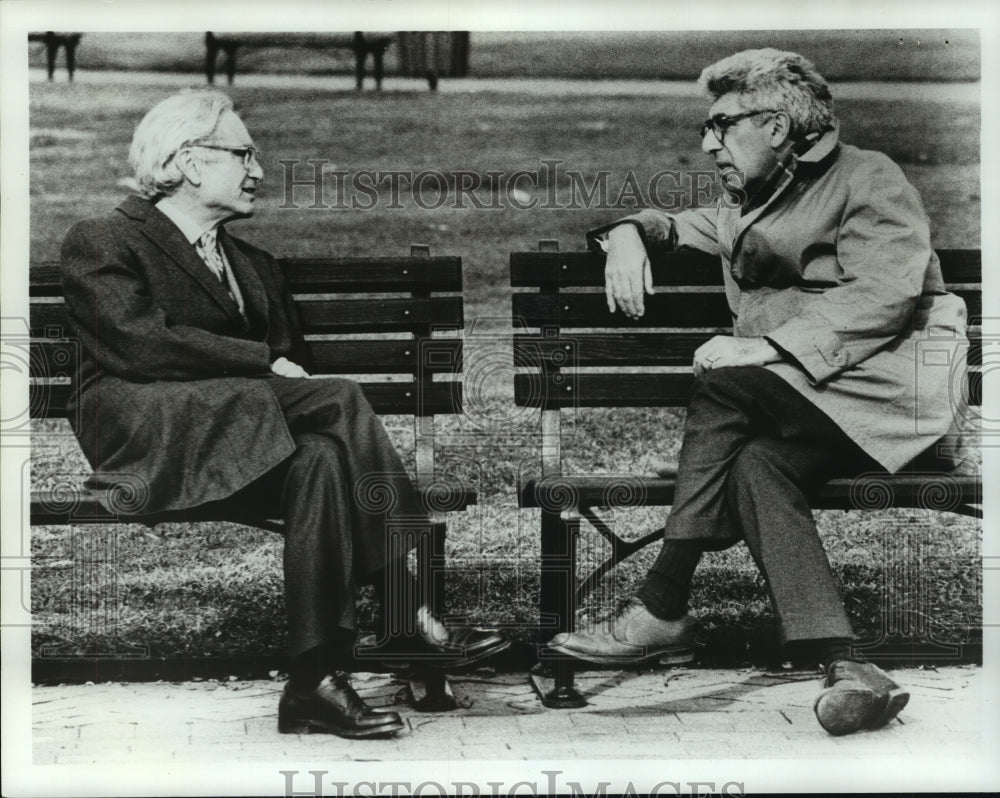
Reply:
x=172, y=394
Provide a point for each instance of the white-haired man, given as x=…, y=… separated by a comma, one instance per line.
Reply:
x=193, y=380
x=831, y=280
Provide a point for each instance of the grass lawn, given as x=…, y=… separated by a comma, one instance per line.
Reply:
x=216, y=589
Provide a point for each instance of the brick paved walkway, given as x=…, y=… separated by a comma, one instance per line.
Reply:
x=665, y=714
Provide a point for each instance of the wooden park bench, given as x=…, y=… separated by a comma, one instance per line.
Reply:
x=361, y=45
x=416, y=299
x=564, y=294
x=53, y=41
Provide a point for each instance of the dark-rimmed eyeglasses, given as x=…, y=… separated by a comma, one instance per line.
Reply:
x=720, y=123
x=248, y=152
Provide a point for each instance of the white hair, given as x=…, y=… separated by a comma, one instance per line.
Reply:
x=181, y=119
x=772, y=79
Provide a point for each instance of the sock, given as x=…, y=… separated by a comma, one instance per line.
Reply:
x=667, y=586
x=831, y=649
x=309, y=667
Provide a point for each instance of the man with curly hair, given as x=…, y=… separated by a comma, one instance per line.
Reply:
x=832, y=281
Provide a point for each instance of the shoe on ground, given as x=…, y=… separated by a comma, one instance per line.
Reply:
x=440, y=646
x=635, y=636
x=333, y=707
x=858, y=695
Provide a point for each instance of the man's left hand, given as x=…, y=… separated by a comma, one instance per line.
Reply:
x=725, y=350
x=284, y=367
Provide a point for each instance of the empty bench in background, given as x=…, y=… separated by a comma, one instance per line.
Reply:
x=361, y=45
x=620, y=356
x=53, y=41
x=401, y=382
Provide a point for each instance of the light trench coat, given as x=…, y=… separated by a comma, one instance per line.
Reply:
x=836, y=270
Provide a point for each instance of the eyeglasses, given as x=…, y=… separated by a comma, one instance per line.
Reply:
x=248, y=153
x=720, y=123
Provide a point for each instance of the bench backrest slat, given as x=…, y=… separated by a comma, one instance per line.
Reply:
x=333, y=275
x=378, y=314
x=569, y=309
x=552, y=391
x=577, y=337
x=324, y=316
x=551, y=270
x=57, y=358
x=584, y=351
x=254, y=39
x=317, y=275
x=396, y=321
x=402, y=398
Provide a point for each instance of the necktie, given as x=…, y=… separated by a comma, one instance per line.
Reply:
x=208, y=249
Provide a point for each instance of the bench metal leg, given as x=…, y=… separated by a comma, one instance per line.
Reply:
x=553, y=678
x=428, y=685
x=230, y=64
x=71, y=44
x=359, y=69
x=379, y=68
x=211, y=54
x=51, y=50
x=430, y=691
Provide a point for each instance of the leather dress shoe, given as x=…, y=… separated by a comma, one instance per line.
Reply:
x=858, y=695
x=333, y=707
x=440, y=646
x=635, y=636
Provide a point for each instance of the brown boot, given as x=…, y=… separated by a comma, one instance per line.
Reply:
x=636, y=635
x=858, y=695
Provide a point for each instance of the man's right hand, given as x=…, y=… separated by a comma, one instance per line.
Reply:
x=284, y=367
x=627, y=273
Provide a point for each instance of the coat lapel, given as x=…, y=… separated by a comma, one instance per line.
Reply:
x=166, y=235
x=815, y=155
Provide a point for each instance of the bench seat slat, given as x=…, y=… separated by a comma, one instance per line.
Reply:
x=405, y=398
x=869, y=492
x=83, y=508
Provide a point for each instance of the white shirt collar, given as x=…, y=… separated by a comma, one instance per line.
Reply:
x=191, y=229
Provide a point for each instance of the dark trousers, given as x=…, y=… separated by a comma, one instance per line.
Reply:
x=338, y=495
x=753, y=447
